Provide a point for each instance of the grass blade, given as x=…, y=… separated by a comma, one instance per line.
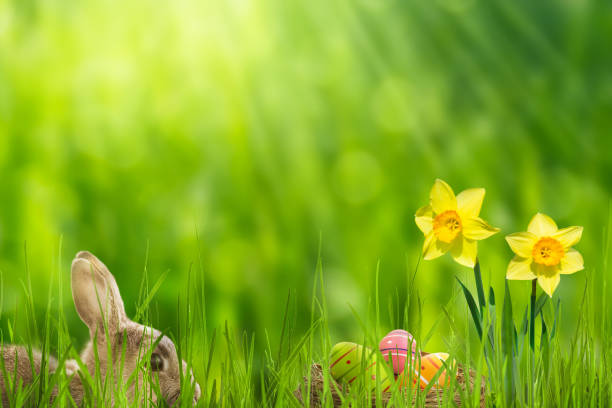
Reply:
x=473, y=308
x=482, y=303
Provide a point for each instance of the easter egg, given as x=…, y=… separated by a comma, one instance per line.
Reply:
x=430, y=364
x=399, y=345
x=348, y=361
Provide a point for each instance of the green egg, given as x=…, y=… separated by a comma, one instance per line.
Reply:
x=346, y=365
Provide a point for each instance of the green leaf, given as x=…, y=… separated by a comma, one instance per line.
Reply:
x=213, y=394
x=554, y=328
x=523, y=329
x=508, y=336
x=509, y=391
x=544, y=347
x=479, y=288
x=533, y=315
x=525, y=323
x=544, y=342
x=508, y=329
x=473, y=308
x=492, y=317
x=540, y=303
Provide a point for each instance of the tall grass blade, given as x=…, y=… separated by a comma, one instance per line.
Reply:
x=482, y=303
x=473, y=308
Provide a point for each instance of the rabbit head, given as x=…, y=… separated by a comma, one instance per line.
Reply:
x=99, y=304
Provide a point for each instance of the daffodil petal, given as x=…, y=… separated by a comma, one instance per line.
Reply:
x=442, y=197
x=520, y=269
x=433, y=248
x=569, y=236
x=522, y=243
x=549, y=283
x=571, y=262
x=542, y=225
x=469, y=202
x=477, y=228
x=464, y=252
x=424, y=219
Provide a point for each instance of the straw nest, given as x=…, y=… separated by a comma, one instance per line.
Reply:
x=432, y=399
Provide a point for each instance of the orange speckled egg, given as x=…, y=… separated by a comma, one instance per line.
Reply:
x=429, y=367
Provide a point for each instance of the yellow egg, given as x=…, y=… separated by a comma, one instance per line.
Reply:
x=347, y=362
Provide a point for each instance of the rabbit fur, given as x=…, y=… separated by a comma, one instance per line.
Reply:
x=98, y=301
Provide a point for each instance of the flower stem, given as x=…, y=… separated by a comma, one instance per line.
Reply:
x=532, y=320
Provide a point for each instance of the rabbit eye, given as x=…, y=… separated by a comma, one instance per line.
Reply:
x=157, y=363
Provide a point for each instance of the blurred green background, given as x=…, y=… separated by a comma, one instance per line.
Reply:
x=263, y=126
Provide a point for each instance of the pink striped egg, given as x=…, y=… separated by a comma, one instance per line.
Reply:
x=399, y=345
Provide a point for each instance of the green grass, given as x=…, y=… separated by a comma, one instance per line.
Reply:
x=260, y=124
x=560, y=372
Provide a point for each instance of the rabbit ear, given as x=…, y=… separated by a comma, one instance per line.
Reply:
x=96, y=295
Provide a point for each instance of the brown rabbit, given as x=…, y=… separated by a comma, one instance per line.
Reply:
x=97, y=301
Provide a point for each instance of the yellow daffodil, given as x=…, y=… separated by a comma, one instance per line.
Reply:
x=452, y=224
x=544, y=253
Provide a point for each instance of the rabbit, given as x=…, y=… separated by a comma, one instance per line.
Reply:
x=93, y=286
